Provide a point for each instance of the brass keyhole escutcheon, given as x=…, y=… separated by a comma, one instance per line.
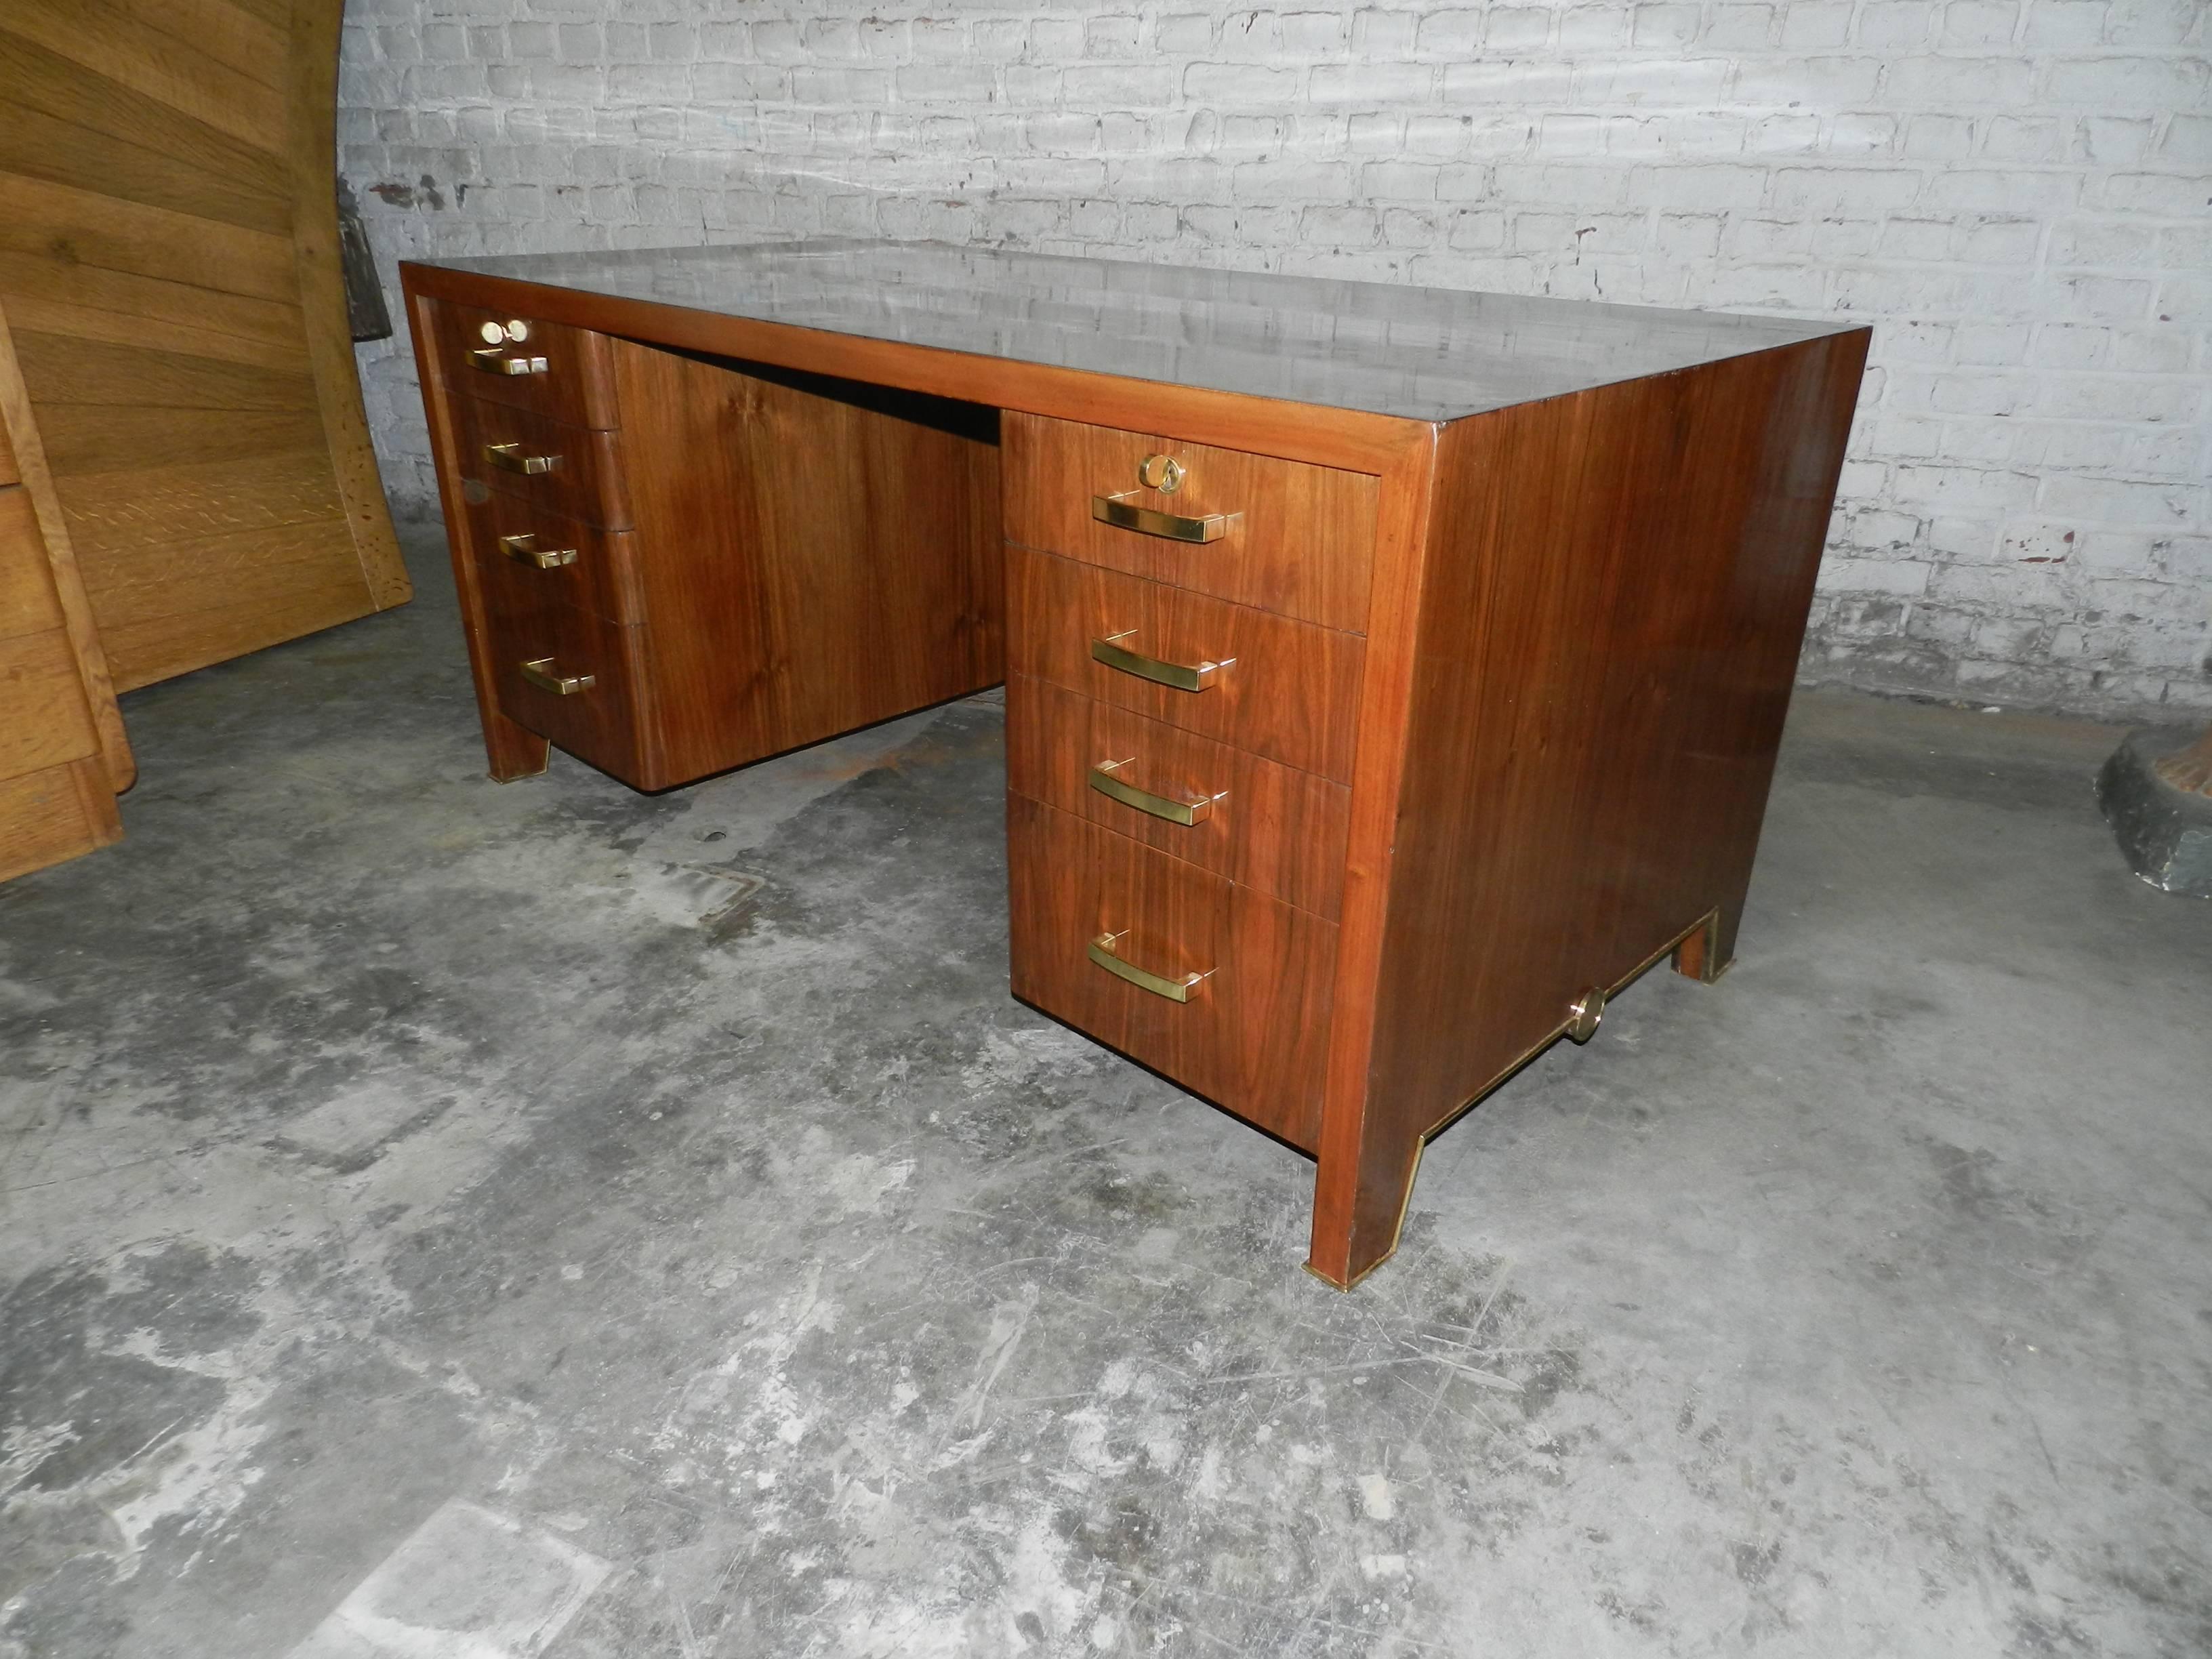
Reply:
x=1160, y=472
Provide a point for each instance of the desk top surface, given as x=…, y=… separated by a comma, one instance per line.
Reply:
x=1420, y=353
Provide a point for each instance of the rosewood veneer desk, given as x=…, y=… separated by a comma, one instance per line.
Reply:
x=1391, y=674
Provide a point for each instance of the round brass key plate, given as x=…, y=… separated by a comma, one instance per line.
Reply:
x=1161, y=472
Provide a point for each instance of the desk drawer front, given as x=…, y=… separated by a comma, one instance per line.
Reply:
x=521, y=545
x=1255, y=1030
x=538, y=646
x=1261, y=824
x=572, y=469
x=1288, y=537
x=1286, y=691
x=560, y=372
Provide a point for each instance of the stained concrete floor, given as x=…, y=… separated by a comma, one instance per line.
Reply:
x=450, y=1219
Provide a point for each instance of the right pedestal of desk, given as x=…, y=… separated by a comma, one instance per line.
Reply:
x=1336, y=796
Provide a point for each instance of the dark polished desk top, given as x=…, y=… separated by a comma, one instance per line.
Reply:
x=1420, y=354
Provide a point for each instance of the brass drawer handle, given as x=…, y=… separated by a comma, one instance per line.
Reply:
x=1160, y=806
x=539, y=672
x=493, y=360
x=1105, y=952
x=1123, y=514
x=509, y=457
x=1183, y=677
x=525, y=547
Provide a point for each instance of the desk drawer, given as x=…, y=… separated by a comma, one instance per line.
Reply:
x=521, y=545
x=1292, y=539
x=564, y=373
x=1261, y=824
x=535, y=644
x=1284, y=689
x=1253, y=1035
x=575, y=470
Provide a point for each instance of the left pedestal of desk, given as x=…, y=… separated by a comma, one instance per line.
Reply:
x=63, y=754
x=670, y=564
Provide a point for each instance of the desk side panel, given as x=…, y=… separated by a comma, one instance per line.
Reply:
x=1614, y=599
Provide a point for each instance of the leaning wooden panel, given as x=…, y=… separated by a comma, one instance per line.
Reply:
x=128, y=135
x=45, y=582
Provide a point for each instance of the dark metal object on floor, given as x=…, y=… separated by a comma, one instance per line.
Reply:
x=2164, y=832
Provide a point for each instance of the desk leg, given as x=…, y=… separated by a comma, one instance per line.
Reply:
x=514, y=751
x=1359, y=1205
x=1708, y=953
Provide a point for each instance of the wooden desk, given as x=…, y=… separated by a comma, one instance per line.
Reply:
x=1392, y=674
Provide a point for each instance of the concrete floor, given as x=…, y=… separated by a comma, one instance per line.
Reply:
x=450, y=1219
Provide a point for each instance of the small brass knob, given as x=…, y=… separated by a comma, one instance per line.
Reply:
x=493, y=333
x=1160, y=472
x=518, y=331
x=1583, y=1014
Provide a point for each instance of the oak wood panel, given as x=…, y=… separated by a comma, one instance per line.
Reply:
x=1301, y=541
x=1290, y=692
x=173, y=69
x=577, y=387
x=1609, y=628
x=64, y=122
x=9, y=474
x=45, y=544
x=83, y=234
x=29, y=286
x=162, y=606
x=169, y=241
x=84, y=440
x=604, y=724
x=603, y=577
x=119, y=516
x=47, y=722
x=106, y=374
x=28, y=603
x=1253, y=1039
x=587, y=482
x=1329, y=437
x=56, y=813
x=1270, y=827
x=810, y=558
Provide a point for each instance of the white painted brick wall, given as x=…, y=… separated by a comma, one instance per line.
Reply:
x=2016, y=193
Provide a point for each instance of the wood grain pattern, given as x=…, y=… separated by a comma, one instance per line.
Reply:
x=1608, y=631
x=588, y=480
x=603, y=578
x=1271, y=828
x=1292, y=694
x=47, y=722
x=1252, y=1040
x=54, y=814
x=811, y=560
x=168, y=249
x=607, y=724
x=45, y=545
x=1301, y=542
x=28, y=603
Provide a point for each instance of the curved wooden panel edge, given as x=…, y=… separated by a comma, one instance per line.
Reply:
x=314, y=69
x=117, y=760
